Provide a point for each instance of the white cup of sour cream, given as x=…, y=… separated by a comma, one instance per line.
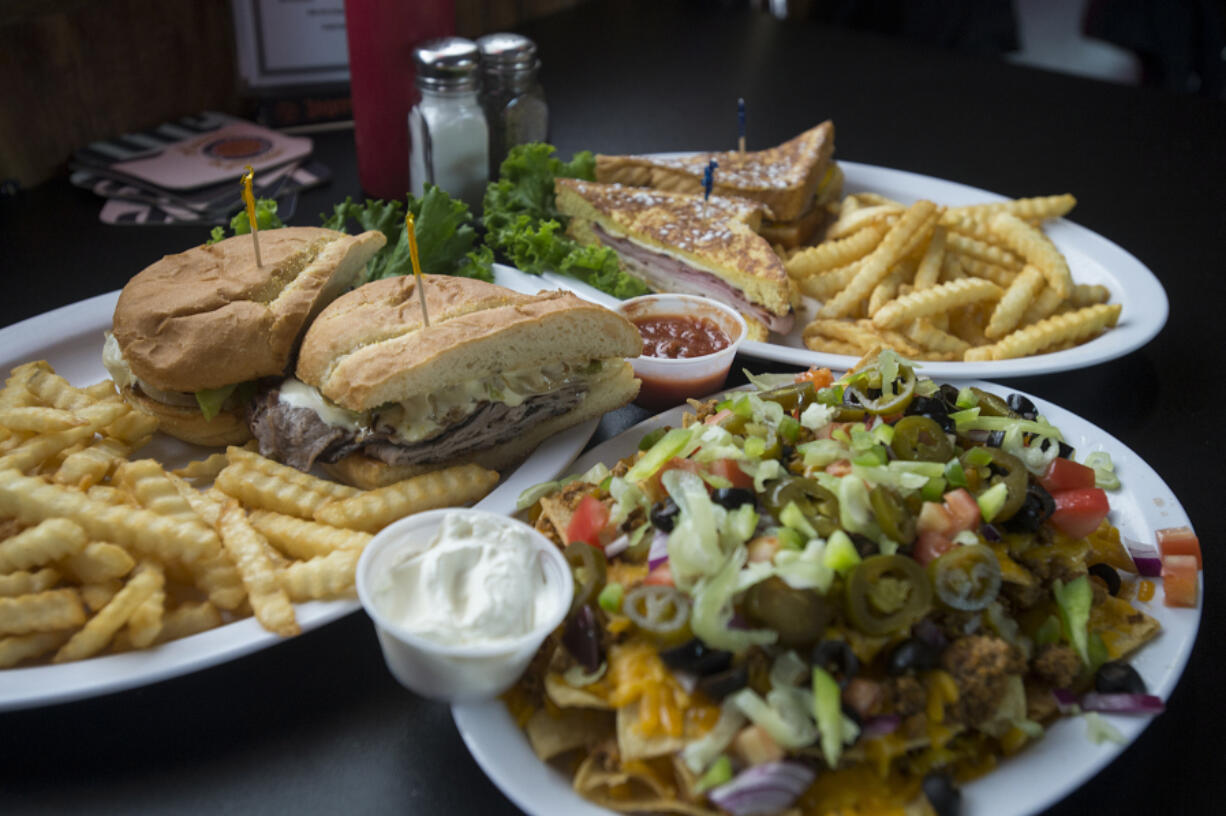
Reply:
x=462, y=599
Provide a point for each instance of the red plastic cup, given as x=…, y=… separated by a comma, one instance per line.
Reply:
x=382, y=35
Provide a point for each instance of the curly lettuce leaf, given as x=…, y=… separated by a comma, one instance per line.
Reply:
x=522, y=221
x=265, y=219
x=446, y=237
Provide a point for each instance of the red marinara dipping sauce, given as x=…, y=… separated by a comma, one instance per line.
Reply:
x=674, y=336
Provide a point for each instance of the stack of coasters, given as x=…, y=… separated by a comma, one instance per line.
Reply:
x=188, y=170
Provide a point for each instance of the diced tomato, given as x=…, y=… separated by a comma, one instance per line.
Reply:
x=935, y=518
x=1065, y=474
x=730, y=469
x=662, y=575
x=1179, y=582
x=589, y=520
x=839, y=467
x=654, y=488
x=931, y=545
x=963, y=509
x=1179, y=541
x=820, y=377
x=1079, y=512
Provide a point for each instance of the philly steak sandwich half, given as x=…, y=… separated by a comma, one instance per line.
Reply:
x=379, y=396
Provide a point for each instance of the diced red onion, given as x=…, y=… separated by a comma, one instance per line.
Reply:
x=990, y=532
x=1145, y=556
x=763, y=789
x=880, y=725
x=658, y=553
x=1122, y=703
x=1066, y=701
x=1114, y=703
x=617, y=546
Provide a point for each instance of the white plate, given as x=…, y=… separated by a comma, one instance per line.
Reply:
x=1091, y=258
x=1064, y=759
x=70, y=339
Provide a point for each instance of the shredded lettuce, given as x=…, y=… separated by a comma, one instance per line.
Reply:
x=1104, y=470
x=700, y=753
x=712, y=612
x=783, y=714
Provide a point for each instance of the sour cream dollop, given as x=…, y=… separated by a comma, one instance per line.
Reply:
x=480, y=581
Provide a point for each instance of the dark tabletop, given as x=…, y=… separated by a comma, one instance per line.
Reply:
x=317, y=725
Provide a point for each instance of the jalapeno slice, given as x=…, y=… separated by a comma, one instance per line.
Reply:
x=892, y=400
x=885, y=594
x=819, y=506
x=893, y=516
x=589, y=569
x=1000, y=467
x=966, y=578
x=661, y=611
x=791, y=397
x=800, y=616
x=921, y=439
x=992, y=405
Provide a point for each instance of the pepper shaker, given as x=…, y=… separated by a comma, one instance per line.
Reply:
x=448, y=134
x=511, y=95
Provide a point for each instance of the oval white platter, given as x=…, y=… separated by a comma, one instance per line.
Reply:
x=1092, y=259
x=70, y=339
x=1064, y=758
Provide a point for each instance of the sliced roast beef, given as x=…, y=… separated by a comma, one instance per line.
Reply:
x=295, y=435
x=299, y=437
x=664, y=273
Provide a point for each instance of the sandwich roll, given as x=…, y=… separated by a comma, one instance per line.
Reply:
x=192, y=328
x=378, y=396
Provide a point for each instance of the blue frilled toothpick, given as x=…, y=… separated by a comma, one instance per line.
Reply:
x=740, y=124
x=708, y=181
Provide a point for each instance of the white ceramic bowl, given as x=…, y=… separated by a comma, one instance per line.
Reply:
x=669, y=381
x=454, y=672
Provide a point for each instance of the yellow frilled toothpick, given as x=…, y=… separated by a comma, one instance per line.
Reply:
x=421, y=280
x=249, y=200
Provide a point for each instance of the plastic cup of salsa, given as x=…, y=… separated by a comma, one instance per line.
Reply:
x=689, y=343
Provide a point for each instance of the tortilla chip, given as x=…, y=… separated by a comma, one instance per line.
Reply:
x=638, y=789
x=1123, y=627
x=564, y=695
x=552, y=734
x=557, y=509
x=631, y=742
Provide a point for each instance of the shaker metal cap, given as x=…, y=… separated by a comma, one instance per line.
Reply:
x=507, y=51
x=447, y=63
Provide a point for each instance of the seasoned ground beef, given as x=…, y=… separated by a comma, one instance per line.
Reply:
x=1058, y=665
x=905, y=696
x=980, y=665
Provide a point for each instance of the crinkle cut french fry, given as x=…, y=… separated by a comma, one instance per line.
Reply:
x=1071, y=326
x=306, y=481
x=827, y=345
x=1089, y=294
x=265, y=491
x=145, y=623
x=321, y=577
x=47, y=541
x=861, y=218
x=42, y=447
x=52, y=389
x=999, y=275
x=988, y=253
x=834, y=253
x=148, y=482
x=39, y=419
x=88, y=467
x=299, y=538
x=98, y=595
x=374, y=509
x=931, y=338
x=32, y=500
x=203, y=470
x=928, y=272
x=23, y=582
x=134, y=428
x=1044, y=305
x=99, y=561
x=46, y=611
x=927, y=302
x=824, y=285
x=216, y=573
x=1013, y=304
x=247, y=549
x=1030, y=209
x=94, y=636
x=898, y=242
x=16, y=648
x=1036, y=248
x=188, y=619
